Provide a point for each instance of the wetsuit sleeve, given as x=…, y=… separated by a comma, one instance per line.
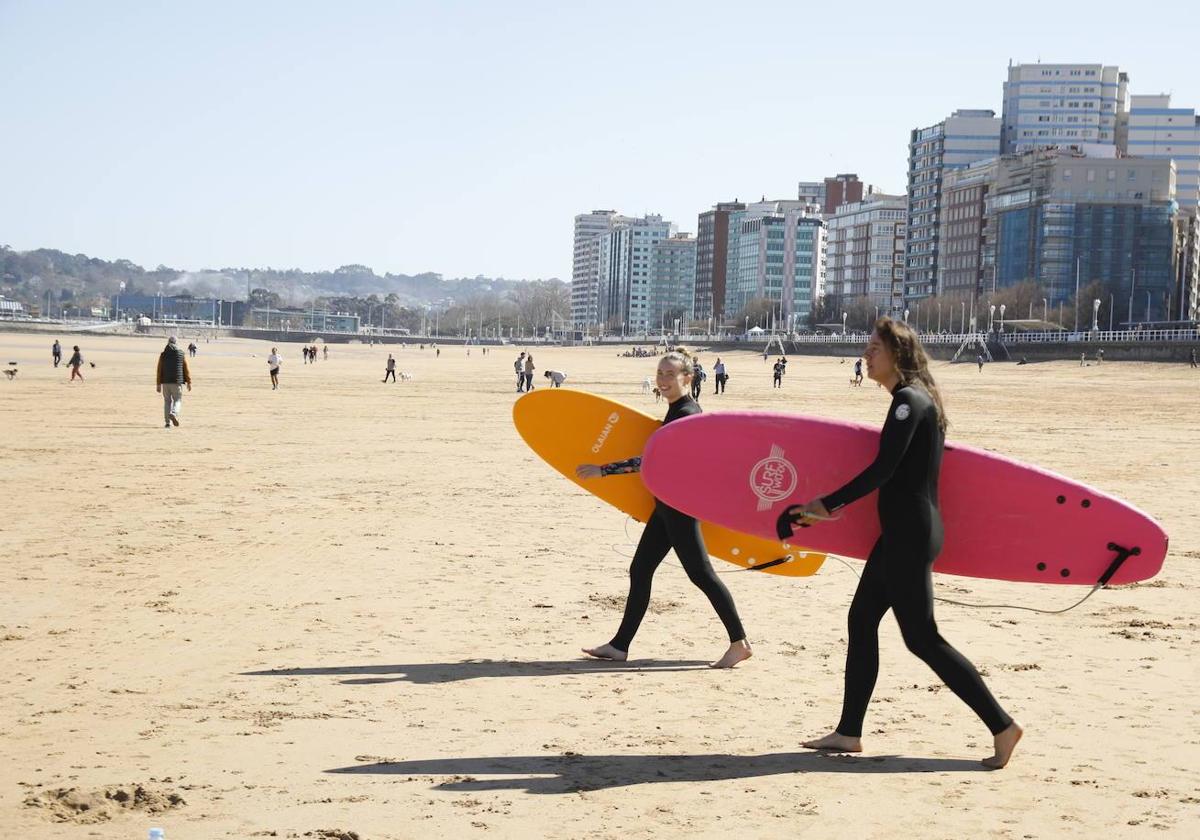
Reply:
x=902, y=421
x=629, y=465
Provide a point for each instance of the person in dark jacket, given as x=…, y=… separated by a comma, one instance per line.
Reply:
x=170, y=379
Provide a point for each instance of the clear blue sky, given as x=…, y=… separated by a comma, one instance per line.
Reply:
x=461, y=137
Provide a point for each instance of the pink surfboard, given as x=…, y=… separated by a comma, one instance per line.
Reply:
x=1003, y=520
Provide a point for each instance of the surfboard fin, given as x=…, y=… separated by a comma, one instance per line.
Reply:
x=1123, y=554
x=758, y=567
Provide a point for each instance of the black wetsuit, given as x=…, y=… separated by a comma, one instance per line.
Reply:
x=897, y=574
x=668, y=528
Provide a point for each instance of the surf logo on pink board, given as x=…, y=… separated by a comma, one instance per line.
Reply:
x=773, y=478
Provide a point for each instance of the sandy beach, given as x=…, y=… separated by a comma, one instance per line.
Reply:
x=346, y=609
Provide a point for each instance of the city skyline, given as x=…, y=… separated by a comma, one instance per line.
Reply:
x=217, y=135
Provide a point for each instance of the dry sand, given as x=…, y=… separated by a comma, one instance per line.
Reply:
x=347, y=609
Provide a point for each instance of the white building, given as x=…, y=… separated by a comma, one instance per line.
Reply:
x=776, y=252
x=590, y=228
x=1156, y=130
x=625, y=268
x=1064, y=104
x=963, y=138
x=865, y=253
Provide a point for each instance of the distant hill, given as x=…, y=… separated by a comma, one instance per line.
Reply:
x=79, y=279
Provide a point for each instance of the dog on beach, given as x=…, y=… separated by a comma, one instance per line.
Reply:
x=647, y=385
x=11, y=373
x=657, y=395
x=404, y=377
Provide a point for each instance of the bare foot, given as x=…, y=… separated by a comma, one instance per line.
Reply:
x=738, y=652
x=1006, y=742
x=835, y=742
x=607, y=652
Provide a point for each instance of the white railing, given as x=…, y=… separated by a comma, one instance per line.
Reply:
x=955, y=338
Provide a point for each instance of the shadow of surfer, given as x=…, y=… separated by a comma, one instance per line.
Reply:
x=430, y=673
x=570, y=773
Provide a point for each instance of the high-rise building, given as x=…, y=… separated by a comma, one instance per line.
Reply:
x=1063, y=104
x=960, y=261
x=673, y=280
x=776, y=252
x=833, y=192
x=1156, y=130
x=963, y=138
x=812, y=192
x=585, y=266
x=712, y=246
x=625, y=270
x=1064, y=219
x=865, y=253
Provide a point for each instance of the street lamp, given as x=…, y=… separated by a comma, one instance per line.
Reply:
x=844, y=323
x=991, y=316
x=939, y=328
x=120, y=288
x=1096, y=315
x=1132, y=283
x=1045, y=310
x=1002, y=317
x=906, y=316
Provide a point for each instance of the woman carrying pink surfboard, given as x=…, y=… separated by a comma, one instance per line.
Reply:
x=898, y=571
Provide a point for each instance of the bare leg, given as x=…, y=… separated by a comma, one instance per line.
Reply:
x=835, y=742
x=738, y=651
x=1005, y=743
x=607, y=651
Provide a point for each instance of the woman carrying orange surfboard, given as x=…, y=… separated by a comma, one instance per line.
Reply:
x=667, y=528
x=898, y=571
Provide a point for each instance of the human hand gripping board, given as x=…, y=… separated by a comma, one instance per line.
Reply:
x=568, y=428
x=1003, y=520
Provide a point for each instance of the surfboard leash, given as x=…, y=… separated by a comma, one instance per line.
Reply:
x=1122, y=554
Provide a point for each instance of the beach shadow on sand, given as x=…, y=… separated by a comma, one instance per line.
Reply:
x=426, y=673
x=551, y=774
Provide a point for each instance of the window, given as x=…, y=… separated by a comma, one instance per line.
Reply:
x=1091, y=176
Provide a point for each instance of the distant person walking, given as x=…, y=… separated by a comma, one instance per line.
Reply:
x=555, y=376
x=1100, y=356
x=979, y=361
x=75, y=363
x=529, y=369
x=719, y=377
x=192, y=348
x=325, y=352
x=698, y=377
x=273, y=363
x=56, y=353
x=777, y=374
x=519, y=368
x=390, y=370
x=172, y=376
x=1192, y=358
x=858, y=377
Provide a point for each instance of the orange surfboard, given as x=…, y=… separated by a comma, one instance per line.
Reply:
x=567, y=428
